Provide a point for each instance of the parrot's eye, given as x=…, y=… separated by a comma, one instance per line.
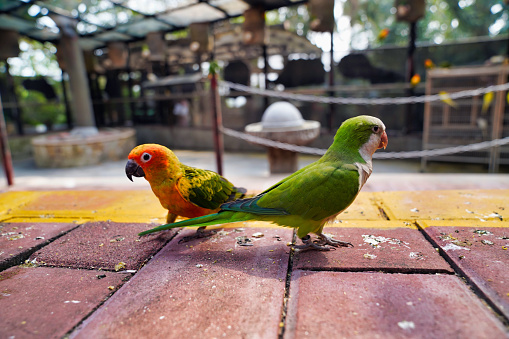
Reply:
x=145, y=157
x=375, y=129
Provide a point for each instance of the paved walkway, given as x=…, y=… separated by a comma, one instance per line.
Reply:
x=431, y=260
x=428, y=264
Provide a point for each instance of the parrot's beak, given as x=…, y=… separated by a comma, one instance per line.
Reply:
x=383, y=141
x=132, y=168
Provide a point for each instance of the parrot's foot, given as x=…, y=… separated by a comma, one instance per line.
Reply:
x=310, y=245
x=321, y=243
x=326, y=240
x=200, y=233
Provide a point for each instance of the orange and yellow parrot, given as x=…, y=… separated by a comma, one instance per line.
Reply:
x=182, y=190
x=429, y=64
x=415, y=80
x=382, y=35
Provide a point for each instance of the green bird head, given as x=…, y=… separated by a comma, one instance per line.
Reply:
x=361, y=135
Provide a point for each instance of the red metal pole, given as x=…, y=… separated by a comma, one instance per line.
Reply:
x=217, y=120
x=6, y=153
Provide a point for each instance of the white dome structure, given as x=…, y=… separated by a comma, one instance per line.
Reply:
x=283, y=122
x=282, y=114
x=282, y=117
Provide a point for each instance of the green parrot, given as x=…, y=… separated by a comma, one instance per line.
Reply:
x=312, y=196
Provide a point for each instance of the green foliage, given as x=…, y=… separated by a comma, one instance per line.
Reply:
x=35, y=58
x=295, y=19
x=38, y=110
x=214, y=67
x=444, y=20
x=181, y=34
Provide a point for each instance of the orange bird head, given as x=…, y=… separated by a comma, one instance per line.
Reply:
x=152, y=161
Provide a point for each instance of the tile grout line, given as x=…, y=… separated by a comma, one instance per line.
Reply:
x=462, y=274
x=395, y=270
x=457, y=270
x=20, y=259
x=82, y=320
x=378, y=203
x=86, y=316
x=286, y=297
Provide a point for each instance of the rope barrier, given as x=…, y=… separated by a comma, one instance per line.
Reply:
x=362, y=101
x=365, y=101
x=381, y=155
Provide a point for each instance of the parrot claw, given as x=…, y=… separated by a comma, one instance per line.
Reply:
x=313, y=245
x=326, y=240
x=200, y=233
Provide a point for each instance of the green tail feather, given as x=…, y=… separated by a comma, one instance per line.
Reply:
x=206, y=220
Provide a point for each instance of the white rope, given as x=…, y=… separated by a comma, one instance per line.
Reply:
x=362, y=101
x=271, y=143
x=381, y=155
x=443, y=151
x=365, y=101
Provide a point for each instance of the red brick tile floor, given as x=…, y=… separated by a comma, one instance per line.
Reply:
x=429, y=262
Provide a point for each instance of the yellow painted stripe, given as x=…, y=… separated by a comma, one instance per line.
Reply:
x=454, y=204
x=45, y=220
x=365, y=207
x=378, y=224
x=473, y=208
x=10, y=201
x=463, y=223
x=119, y=206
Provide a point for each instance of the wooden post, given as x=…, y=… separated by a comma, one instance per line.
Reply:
x=217, y=119
x=427, y=122
x=4, y=146
x=498, y=122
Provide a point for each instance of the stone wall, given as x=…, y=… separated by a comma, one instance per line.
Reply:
x=64, y=150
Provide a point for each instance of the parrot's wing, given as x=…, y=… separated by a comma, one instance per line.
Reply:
x=237, y=193
x=205, y=188
x=251, y=206
x=319, y=192
x=291, y=176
